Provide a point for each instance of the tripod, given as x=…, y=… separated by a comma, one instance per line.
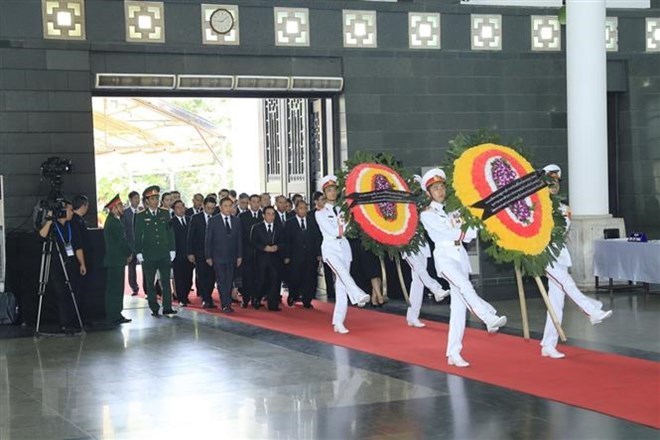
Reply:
x=44, y=276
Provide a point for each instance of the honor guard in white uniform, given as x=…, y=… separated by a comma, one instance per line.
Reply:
x=336, y=253
x=420, y=279
x=453, y=264
x=560, y=283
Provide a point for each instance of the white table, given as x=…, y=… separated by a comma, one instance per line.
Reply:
x=620, y=259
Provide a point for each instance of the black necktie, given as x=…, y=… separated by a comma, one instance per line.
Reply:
x=207, y=218
x=254, y=214
x=302, y=224
x=270, y=231
x=227, y=225
x=183, y=222
x=336, y=211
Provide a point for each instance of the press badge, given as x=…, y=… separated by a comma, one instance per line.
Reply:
x=69, y=250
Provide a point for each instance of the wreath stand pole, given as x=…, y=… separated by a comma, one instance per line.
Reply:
x=551, y=311
x=403, y=284
x=383, y=273
x=523, y=302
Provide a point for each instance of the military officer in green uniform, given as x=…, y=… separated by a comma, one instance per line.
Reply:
x=117, y=255
x=154, y=249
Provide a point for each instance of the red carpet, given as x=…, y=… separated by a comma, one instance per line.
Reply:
x=615, y=385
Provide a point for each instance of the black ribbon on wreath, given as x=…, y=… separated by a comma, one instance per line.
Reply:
x=511, y=193
x=381, y=196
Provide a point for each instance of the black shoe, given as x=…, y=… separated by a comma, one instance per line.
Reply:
x=184, y=303
x=308, y=306
x=290, y=300
x=256, y=304
x=227, y=310
x=155, y=314
x=206, y=305
x=134, y=294
x=274, y=309
x=123, y=320
x=244, y=305
x=170, y=312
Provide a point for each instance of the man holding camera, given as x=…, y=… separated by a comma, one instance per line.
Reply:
x=67, y=243
x=154, y=249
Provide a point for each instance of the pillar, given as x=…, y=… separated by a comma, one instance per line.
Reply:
x=586, y=87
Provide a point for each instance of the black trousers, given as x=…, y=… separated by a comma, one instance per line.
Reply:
x=224, y=273
x=270, y=283
x=329, y=281
x=250, y=278
x=183, y=275
x=66, y=312
x=205, y=278
x=132, y=275
x=304, y=279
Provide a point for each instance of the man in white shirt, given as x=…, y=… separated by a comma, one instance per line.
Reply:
x=337, y=254
x=453, y=264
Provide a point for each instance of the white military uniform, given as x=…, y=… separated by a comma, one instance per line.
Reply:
x=560, y=283
x=453, y=264
x=337, y=254
x=420, y=278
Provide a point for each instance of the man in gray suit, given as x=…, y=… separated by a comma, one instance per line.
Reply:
x=128, y=222
x=224, y=250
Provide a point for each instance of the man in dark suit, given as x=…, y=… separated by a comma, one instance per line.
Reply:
x=181, y=266
x=128, y=222
x=249, y=272
x=196, y=252
x=268, y=239
x=281, y=214
x=224, y=250
x=302, y=254
x=197, y=205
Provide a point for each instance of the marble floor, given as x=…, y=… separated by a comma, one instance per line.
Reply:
x=198, y=376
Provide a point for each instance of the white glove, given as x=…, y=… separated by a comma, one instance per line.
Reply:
x=172, y=255
x=140, y=258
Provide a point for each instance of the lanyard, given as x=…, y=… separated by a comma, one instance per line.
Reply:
x=57, y=227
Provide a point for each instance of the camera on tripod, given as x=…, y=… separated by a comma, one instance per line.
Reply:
x=52, y=170
x=54, y=208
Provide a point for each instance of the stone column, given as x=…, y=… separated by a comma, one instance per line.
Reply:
x=586, y=76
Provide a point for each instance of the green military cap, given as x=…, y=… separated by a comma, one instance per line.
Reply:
x=114, y=201
x=153, y=190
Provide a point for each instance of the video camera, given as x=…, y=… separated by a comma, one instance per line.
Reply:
x=52, y=170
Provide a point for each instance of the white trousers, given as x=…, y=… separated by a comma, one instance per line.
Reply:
x=420, y=278
x=345, y=287
x=463, y=297
x=560, y=284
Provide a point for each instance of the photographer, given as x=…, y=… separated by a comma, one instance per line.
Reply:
x=67, y=241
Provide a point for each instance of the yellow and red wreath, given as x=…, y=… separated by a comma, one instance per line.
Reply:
x=525, y=225
x=500, y=193
x=378, y=201
x=389, y=223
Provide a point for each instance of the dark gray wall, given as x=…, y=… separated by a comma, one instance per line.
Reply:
x=399, y=100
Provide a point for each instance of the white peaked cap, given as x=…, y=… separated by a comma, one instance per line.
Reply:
x=434, y=175
x=328, y=180
x=553, y=169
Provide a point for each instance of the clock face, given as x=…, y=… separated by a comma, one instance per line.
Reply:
x=221, y=21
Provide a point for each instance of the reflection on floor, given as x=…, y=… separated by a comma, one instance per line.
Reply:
x=198, y=376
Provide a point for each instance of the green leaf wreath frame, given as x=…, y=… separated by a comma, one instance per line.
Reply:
x=533, y=265
x=354, y=230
